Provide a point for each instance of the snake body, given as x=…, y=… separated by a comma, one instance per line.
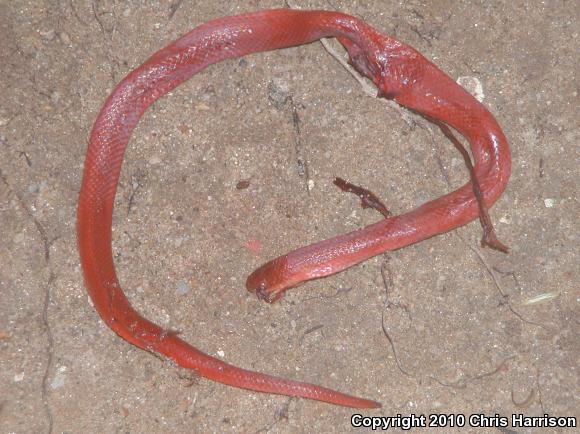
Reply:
x=399, y=72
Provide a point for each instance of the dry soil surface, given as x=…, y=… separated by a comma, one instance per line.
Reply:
x=443, y=326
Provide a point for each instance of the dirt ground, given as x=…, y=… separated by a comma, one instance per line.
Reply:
x=443, y=326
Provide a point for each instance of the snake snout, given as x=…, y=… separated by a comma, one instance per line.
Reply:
x=271, y=280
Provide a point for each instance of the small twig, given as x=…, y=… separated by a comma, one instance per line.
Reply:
x=97, y=18
x=281, y=413
x=496, y=282
x=191, y=377
x=49, y=352
x=136, y=184
x=509, y=273
x=26, y=157
x=173, y=8
x=539, y=390
x=46, y=242
x=76, y=14
x=415, y=30
x=310, y=330
x=387, y=282
x=459, y=384
x=463, y=382
x=495, y=371
x=108, y=34
x=301, y=161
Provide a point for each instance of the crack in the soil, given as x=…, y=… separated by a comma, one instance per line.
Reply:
x=51, y=279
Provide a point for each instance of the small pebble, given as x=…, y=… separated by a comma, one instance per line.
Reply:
x=473, y=86
x=505, y=219
x=549, y=203
x=47, y=34
x=183, y=287
x=243, y=184
x=55, y=97
x=64, y=37
x=202, y=107
x=278, y=93
x=58, y=381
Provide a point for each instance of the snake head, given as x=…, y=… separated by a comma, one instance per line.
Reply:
x=271, y=280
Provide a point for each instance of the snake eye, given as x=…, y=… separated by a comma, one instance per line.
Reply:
x=262, y=291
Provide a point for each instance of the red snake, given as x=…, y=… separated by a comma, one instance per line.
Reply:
x=398, y=71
